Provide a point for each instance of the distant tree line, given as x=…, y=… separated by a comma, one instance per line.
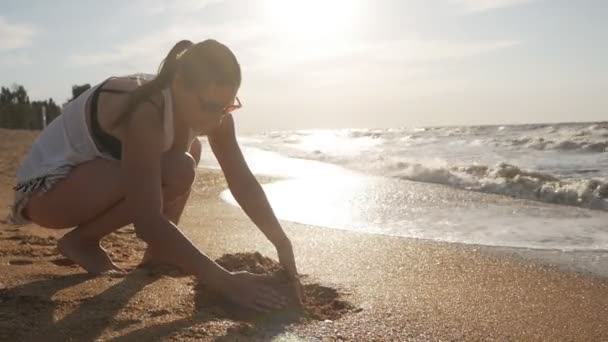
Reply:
x=18, y=112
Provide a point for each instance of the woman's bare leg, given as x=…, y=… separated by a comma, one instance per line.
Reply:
x=82, y=245
x=76, y=199
x=173, y=211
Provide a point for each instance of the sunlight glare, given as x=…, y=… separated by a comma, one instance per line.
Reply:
x=311, y=19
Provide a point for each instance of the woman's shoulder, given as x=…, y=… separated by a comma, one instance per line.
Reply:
x=126, y=83
x=114, y=97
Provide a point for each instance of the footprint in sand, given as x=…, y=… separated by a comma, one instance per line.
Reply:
x=63, y=262
x=20, y=262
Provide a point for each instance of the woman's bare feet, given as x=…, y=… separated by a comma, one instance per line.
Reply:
x=88, y=254
x=152, y=259
x=157, y=261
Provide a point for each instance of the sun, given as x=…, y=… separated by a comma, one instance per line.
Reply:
x=311, y=19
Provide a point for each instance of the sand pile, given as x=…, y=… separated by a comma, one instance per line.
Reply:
x=320, y=302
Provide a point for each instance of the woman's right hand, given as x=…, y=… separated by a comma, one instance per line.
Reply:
x=253, y=291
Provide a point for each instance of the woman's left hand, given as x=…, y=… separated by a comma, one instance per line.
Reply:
x=287, y=260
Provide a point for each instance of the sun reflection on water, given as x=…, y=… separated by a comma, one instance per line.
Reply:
x=325, y=195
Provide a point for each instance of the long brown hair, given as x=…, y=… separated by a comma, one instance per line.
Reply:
x=204, y=63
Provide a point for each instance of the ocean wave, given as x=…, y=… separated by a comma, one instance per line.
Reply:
x=510, y=180
x=567, y=145
x=582, y=138
x=570, y=145
x=503, y=178
x=570, y=157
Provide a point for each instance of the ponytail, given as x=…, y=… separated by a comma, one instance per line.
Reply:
x=168, y=66
x=166, y=73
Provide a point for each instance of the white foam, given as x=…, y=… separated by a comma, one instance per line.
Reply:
x=572, y=154
x=506, y=179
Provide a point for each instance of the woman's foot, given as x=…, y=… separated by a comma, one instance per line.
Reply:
x=88, y=254
x=153, y=260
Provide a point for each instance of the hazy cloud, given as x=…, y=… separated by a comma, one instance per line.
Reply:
x=403, y=51
x=14, y=36
x=15, y=59
x=172, y=6
x=148, y=51
x=486, y=5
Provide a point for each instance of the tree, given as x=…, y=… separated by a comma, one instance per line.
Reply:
x=79, y=89
x=16, y=110
x=20, y=95
x=6, y=96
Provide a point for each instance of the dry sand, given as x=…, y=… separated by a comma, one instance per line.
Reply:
x=385, y=288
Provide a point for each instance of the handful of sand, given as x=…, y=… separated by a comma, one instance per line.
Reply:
x=319, y=302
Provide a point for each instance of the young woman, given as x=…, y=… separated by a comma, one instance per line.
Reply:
x=125, y=151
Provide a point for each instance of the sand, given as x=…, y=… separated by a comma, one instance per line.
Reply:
x=360, y=287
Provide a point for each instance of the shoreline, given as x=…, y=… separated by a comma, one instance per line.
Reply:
x=585, y=261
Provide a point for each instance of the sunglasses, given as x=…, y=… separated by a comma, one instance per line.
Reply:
x=212, y=107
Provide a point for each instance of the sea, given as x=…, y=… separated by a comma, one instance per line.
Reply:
x=537, y=186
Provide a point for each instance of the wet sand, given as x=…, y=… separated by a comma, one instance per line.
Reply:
x=391, y=289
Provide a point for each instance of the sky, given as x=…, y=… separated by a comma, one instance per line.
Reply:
x=335, y=64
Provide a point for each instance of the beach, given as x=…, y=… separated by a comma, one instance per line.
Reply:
x=397, y=289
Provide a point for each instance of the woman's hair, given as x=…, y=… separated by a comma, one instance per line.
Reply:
x=204, y=63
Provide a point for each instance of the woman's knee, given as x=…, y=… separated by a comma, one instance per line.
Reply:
x=195, y=150
x=179, y=171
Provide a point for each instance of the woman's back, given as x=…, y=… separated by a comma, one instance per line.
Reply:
x=71, y=139
x=81, y=133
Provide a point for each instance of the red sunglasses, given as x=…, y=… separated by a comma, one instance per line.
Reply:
x=212, y=107
x=233, y=107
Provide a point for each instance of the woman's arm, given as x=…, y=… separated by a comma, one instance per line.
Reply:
x=141, y=163
x=242, y=183
x=251, y=197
